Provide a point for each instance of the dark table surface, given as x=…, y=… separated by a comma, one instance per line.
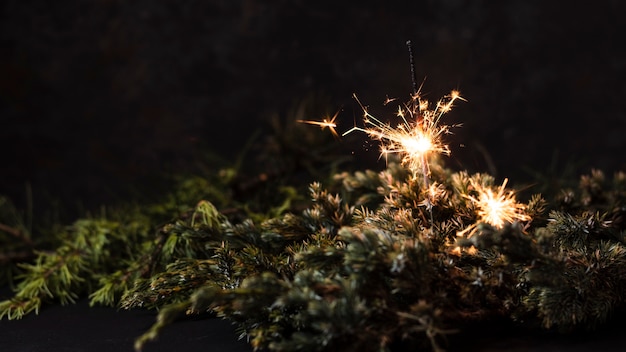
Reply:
x=78, y=327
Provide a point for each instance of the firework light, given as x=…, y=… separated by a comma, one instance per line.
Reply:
x=495, y=208
x=417, y=136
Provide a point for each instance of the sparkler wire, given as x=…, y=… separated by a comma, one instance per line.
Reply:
x=425, y=170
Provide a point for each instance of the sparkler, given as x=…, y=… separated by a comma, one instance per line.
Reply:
x=495, y=208
x=419, y=134
x=416, y=137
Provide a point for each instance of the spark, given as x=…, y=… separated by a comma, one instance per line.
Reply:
x=389, y=100
x=495, y=208
x=498, y=208
x=325, y=123
x=417, y=136
x=434, y=193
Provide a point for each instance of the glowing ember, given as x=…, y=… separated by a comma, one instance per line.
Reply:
x=325, y=123
x=498, y=208
x=458, y=251
x=417, y=136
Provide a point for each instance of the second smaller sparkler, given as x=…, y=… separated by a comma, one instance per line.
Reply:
x=495, y=208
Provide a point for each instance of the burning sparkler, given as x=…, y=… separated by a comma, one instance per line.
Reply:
x=417, y=136
x=495, y=208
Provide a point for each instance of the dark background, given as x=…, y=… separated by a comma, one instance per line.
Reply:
x=99, y=98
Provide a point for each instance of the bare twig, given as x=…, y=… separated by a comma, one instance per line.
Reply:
x=16, y=233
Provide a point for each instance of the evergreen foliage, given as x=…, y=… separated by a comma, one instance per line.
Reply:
x=374, y=260
x=361, y=266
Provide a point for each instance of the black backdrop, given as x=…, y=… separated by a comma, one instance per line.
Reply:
x=99, y=95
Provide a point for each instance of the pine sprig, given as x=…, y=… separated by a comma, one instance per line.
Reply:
x=388, y=273
x=66, y=273
x=381, y=260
